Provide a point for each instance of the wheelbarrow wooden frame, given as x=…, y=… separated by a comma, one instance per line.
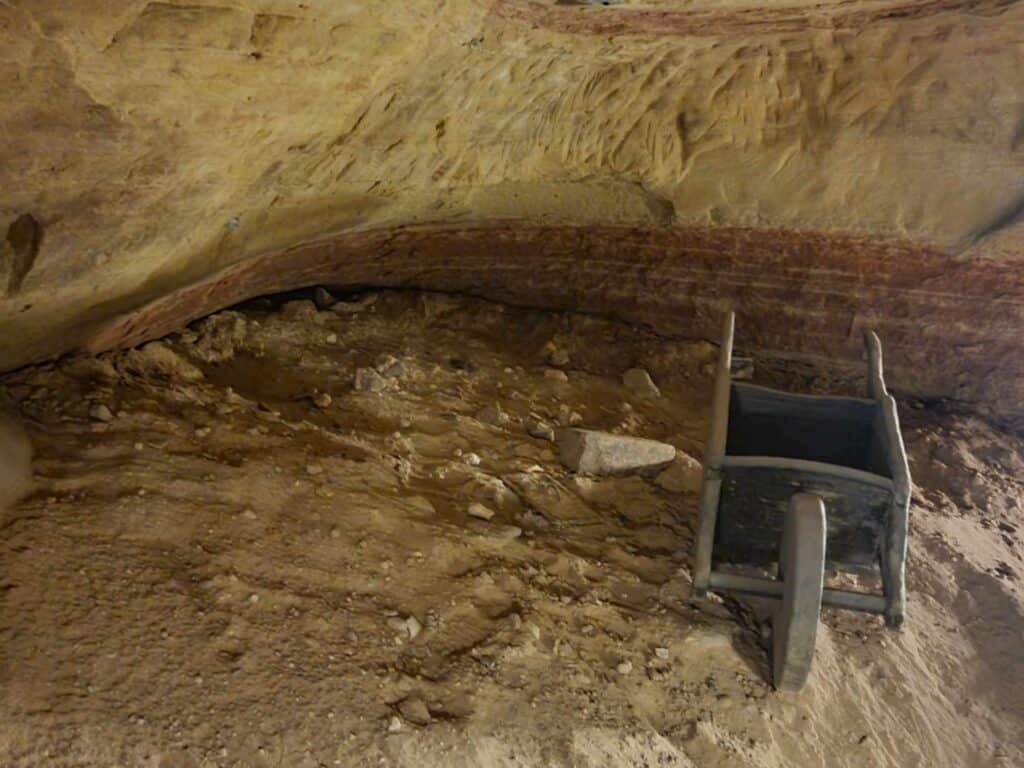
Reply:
x=863, y=504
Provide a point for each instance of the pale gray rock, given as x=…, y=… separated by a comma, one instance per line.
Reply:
x=639, y=382
x=368, y=380
x=601, y=453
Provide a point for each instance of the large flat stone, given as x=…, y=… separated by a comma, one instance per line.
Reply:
x=601, y=453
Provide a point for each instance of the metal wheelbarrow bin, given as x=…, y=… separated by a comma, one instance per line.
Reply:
x=798, y=482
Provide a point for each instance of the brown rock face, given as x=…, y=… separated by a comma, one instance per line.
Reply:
x=820, y=167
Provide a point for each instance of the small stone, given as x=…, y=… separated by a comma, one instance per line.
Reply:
x=662, y=653
x=139, y=447
x=742, y=368
x=554, y=374
x=472, y=459
x=601, y=453
x=351, y=306
x=249, y=514
x=332, y=338
x=314, y=469
x=413, y=627
x=322, y=400
x=414, y=710
x=100, y=412
x=479, y=511
x=534, y=630
x=684, y=475
x=639, y=382
x=624, y=668
x=323, y=298
x=493, y=415
x=369, y=380
x=540, y=430
x=202, y=432
x=395, y=725
x=254, y=598
x=158, y=360
x=335, y=533
x=390, y=366
x=568, y=417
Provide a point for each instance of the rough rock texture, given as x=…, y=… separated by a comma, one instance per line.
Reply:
x=599, y=453
x=822, y=166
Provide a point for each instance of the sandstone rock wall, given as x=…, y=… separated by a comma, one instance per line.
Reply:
x=819, y=166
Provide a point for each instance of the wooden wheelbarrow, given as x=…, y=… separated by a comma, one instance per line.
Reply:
x=798, y=481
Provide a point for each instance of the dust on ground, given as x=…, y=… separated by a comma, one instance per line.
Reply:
x=250, y=545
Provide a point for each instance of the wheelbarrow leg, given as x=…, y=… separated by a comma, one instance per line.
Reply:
x=802, y=570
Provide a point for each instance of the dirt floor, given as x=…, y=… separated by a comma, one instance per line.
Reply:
x=243, y=550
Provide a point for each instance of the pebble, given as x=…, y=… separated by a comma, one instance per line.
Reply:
x=100, y=412
x=332, y=338
x=323, y=299
x=395, y=725
x=314, y=469
x=322, y=400
x=662, y=653
x=413, y=627
x=479, y=511
x=369, y=380
x=472, y=459
x=493, y=415
x=568, y=417
x=555, y=375
x=414, y=710
x=202, y=431
x=624, y=668
x=540, y=430
x=390, y=366
x=352, y=306
x=742, y=368
x=639, y=382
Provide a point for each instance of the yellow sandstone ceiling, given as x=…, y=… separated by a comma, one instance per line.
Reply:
x=823, y=167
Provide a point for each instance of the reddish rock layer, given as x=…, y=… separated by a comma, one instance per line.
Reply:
x=950, y=327
x=729, y=20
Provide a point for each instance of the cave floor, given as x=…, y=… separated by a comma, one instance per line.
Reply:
x=235, y=558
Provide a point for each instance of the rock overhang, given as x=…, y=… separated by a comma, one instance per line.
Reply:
x=819, y=167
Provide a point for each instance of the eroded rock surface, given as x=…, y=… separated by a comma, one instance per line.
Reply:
x=823, y=166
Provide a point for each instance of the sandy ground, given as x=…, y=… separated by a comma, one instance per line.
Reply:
x=233, y=557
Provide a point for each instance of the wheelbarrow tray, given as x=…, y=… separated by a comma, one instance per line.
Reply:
x=779, y=444
x=766, y=447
